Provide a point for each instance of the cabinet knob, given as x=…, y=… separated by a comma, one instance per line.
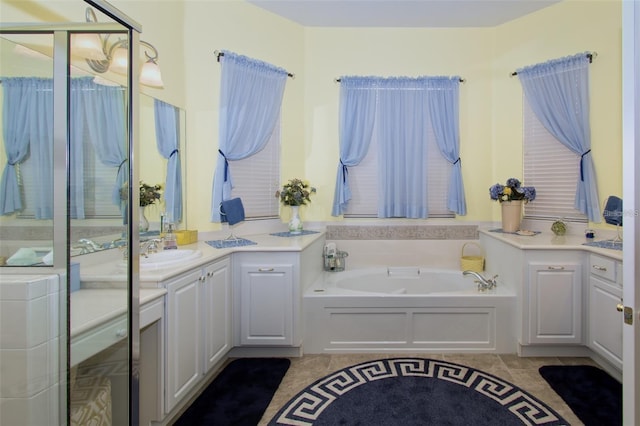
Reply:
x=121, y=333
x=599, y=268
x=209, y=274
x=555, y=268
x=619, y=307
x=265, y=269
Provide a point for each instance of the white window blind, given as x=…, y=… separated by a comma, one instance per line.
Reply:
x=363, y=181
x=552, y=169
x=256, y=179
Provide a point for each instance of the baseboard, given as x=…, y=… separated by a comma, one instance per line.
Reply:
x=550, y=351
x=267, y=352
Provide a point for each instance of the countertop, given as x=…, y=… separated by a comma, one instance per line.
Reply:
x=549, y=241
x=110, y=267
x=93, y=307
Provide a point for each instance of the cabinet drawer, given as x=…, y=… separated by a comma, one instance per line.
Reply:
x=97, y=339
x=603, y=267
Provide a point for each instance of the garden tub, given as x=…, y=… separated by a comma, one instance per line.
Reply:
x=407, y=309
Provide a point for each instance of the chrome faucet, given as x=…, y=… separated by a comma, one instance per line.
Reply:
x=150, y=246
x=483, y=283
x=88, y=246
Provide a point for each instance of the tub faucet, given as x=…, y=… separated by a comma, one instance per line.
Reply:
x=483, y=283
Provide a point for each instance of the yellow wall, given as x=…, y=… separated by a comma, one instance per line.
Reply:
x=187, y=32
x=331, y=53
x=570, y=27
x=490, y=100
x=244, y=29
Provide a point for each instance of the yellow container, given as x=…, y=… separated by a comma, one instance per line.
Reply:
x=472, y=263
x=186, y=237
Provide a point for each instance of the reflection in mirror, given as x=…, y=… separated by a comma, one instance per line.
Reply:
x=25, y=226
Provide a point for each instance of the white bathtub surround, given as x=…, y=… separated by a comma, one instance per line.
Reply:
x=402, y=230
x=442, y=254
x=30, y=381
x=424, y=310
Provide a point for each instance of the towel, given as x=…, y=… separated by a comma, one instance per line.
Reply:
x=23, y=257
x=613, y=211
x=232, y=211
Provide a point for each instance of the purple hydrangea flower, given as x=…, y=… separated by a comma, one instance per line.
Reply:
x=495, y=191
x=513, y=190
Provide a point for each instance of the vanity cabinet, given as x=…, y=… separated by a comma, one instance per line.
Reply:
x=198, y=327
x=555, y=301
x=605, y=321
x=549, y=289
x=216, y=312
x=268, y=299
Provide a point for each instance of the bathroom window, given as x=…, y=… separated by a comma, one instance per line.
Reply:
x=257, y=178
x=552, y=169
x=98, y=184
x=363, y=181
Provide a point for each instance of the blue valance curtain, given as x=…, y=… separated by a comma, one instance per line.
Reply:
x=251, y=93
x=402, y=151
x=357, y=117
x=167, y=121
x=27, y=130
x=28, y=133
x=15, y=131
x=398, y=111
x=443, y=109
x=558, y=93
x=104, y=108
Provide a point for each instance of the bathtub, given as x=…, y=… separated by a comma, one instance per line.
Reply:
x=407, y=309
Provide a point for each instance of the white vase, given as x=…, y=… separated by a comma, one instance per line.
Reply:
x=511, y=215
x=295, y=224
x=143, y=225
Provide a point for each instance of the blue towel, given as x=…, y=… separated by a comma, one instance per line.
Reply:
x=232, y=211
x=613, y=211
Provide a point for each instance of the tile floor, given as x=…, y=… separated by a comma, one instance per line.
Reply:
x=522, y=372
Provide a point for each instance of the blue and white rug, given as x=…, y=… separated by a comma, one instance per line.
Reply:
x=414, y=391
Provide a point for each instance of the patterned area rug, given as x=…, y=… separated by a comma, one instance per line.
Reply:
x=414, y=391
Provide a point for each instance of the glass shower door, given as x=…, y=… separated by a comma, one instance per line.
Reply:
x=70, y=214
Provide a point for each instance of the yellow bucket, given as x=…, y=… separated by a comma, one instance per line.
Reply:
x=472, y=263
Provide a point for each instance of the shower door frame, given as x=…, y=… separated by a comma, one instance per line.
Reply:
x=61, y=217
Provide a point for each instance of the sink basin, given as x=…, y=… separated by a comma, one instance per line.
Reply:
x=166, y=259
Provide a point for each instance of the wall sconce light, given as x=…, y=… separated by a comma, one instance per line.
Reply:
x=103, y=57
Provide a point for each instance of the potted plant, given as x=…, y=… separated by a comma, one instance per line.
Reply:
x=511, y=196
x=295, y=193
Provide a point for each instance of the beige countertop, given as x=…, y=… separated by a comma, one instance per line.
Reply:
x=93, y=307
x=548, y=241
x=113, y=269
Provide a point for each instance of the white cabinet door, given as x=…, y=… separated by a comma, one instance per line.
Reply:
x=267, y=306
x=605, y=321
x=183, y=343
x=555, y=303
x=216, y=312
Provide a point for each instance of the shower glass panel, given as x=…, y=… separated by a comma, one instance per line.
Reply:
x=98, y=193
x=64, y=151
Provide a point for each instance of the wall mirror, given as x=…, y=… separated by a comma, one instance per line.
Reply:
x=96, y=222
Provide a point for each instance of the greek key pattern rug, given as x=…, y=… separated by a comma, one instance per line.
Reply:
x=413, y=391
